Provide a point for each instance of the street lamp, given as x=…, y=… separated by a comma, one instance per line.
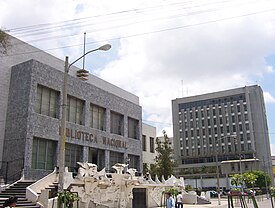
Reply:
x=62, y=141
x=217, y=166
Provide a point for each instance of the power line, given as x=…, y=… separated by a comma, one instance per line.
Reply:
x=122, y=25
x=136, y=10
x=151, y=32
x=67, y=26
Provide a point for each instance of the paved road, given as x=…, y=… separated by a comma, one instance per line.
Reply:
x=262, y=203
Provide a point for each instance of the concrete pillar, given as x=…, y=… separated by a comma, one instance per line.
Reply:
x=108, y=120
x=107, y=160
x=87, y=114
x=85, y=154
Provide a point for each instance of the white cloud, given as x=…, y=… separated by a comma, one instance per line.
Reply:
x=269, y=69
x=268, y=98
x=272, y=147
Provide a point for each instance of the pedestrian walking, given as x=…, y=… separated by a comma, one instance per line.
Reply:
x=170, y=201
x=10, y=202
x=179, y=200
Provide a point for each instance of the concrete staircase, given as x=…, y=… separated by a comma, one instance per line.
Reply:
x=19, y=190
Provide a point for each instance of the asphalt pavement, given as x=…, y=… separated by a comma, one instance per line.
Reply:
x=262, y=202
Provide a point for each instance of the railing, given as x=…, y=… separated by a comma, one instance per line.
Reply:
x=8, y=166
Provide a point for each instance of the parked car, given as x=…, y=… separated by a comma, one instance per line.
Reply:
x=213, y=194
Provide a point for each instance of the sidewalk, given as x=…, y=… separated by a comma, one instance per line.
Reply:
x=265, y=203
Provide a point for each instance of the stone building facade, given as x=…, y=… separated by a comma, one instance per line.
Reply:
x=103, y=121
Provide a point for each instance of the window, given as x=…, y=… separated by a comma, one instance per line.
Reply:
x=97, y=156
x=241, y=137
x=116, y=123
x=73, y=154
x=143, y=142
x=239, y=118
x=215, y=130
x=238, y=108
x=227, y=129
x=214, y=112
x=229, y=148
x=186, y=134
x=152, y=145
x=133, y=128
x=232, y=167
x=43, y=154
x=134, y=161
x=46, y=101
x=115, y=157
x=97, y=117
x=240, y=127
x=75, y=108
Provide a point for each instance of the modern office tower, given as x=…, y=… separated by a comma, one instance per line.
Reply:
x=229, y=126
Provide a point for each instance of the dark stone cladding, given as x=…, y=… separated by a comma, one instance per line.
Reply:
x=23, y=123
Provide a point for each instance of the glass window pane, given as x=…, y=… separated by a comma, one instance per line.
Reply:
x=38, y=99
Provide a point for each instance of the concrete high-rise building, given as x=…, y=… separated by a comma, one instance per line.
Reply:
x=229, y=125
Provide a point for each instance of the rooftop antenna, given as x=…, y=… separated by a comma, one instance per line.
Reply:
x=84, y=50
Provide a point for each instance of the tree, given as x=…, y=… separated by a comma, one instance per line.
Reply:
x=250, y=179
x=4, y=42
x=145, y=168
x=263, y=179
x=164, y=164
x=237, y=179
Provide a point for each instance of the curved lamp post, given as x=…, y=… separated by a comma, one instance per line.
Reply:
x=217, y=166
x=63, y=114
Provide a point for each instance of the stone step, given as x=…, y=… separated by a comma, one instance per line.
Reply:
x=14, y=191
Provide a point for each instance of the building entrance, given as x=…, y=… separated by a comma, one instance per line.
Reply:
x=139, y=198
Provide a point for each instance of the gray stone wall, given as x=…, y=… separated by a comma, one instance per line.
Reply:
x=17, y=120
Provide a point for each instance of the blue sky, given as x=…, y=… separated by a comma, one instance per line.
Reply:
x=161, y=49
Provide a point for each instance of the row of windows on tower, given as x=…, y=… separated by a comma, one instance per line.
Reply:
x=225, y=139
x=228, y=129
x=214, y=111
x=47, y=103
x=214, y=102
x=214, y=121
x=200, y=151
